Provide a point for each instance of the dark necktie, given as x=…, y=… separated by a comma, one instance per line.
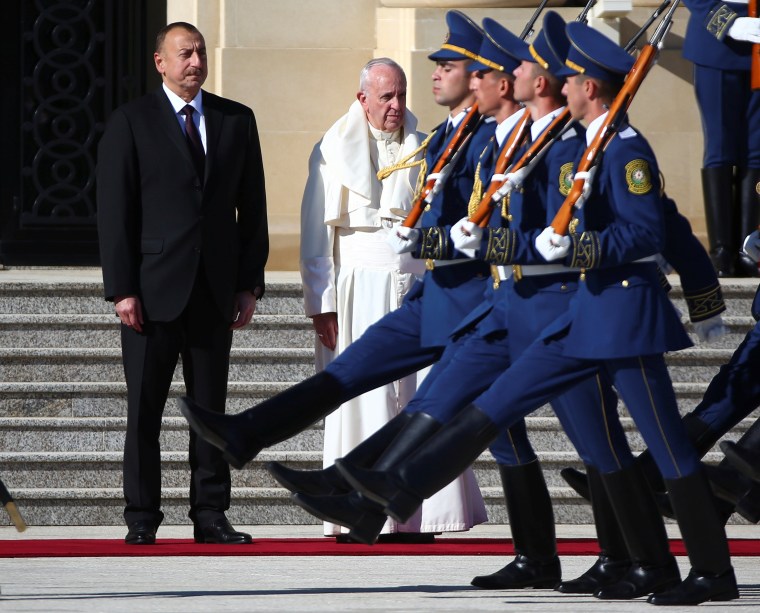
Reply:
x=194, y=141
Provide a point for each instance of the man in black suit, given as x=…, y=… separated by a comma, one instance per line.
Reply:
x=183, y=243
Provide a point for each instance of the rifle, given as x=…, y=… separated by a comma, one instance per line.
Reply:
x=499, y=186
x=755, y=53
x=615, y=116
x=10, y=506
x=630, y=47
x=528, y=29
x=435, y=180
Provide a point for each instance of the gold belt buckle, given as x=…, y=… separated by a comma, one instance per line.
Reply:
x=517, y=272
x=429, y=264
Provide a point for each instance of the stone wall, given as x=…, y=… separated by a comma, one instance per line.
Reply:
x=296, y=63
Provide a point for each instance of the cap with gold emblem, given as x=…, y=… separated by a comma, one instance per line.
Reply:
x=462, y=40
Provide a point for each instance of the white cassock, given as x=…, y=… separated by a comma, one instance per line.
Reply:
x=348, y=268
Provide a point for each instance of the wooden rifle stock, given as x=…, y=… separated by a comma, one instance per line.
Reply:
x=464, y=131
x=507, y=154
x=615, y=116
x=755, y=53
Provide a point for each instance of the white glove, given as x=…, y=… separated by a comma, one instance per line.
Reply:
x=403, y=239
x=710, y=330
x=752, y=245
x=466, y=236
x=512, y=180
x=588, y=179
x=745, y=28
x=552, y=246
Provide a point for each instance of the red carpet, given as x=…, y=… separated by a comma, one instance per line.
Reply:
x=308, y=547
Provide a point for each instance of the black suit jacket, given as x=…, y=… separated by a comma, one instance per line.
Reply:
x=158, y=221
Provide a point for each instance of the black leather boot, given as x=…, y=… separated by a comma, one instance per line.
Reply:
x=431, y=467
x=711, y=576
x=721, y=218
x=749, y=208
x=653, y=567
x=734, y=490
x=243, y=435
x=364, y=516
x=613, y=561
x=328, y=480
x=531, y=520
x=745, y=453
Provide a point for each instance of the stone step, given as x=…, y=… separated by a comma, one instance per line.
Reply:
x=104, y=364
x=95, y=330
x=106, y=434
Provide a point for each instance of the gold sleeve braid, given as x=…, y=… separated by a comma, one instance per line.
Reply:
x=720, y=21
x=434, y=243
x=585, y=250
x=500, y=249
x=705, y=303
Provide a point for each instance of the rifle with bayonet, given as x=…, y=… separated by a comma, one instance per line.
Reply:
x=615, y=117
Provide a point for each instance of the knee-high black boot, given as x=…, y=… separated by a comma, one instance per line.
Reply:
x=699, y=434
x=749, y=207
x=328, y=480
x=721, y=218
x=653, y=567
x=531, y=520
x=613, y=561
x=711, y=576
x=430, y=468
x=745, y=453
x=366, y=517
x=243, y=435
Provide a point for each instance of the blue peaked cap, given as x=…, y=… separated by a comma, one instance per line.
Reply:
x=462, y=40
x=592, y=54
x=500, y=49
x=549, y=48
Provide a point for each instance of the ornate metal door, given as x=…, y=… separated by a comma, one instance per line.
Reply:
x=76, y=60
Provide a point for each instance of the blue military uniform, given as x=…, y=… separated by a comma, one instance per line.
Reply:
x=730, y=112
x=619, y=228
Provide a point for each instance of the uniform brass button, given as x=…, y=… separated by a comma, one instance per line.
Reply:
x=563, y=287
x=625, y=283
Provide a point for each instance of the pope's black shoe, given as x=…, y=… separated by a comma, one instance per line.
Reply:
x=697, y=588
x=325, y=482
x=641, y=581
x=221, y=532
x=605, y=571
x=522, y=572
x=364, y=517
x=141, y=532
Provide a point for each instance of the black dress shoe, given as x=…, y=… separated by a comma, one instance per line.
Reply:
x=698, y=588
x=141, y=532
x=520, y=573
x=642, y=581
x=221, y=532
x=604, y=572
